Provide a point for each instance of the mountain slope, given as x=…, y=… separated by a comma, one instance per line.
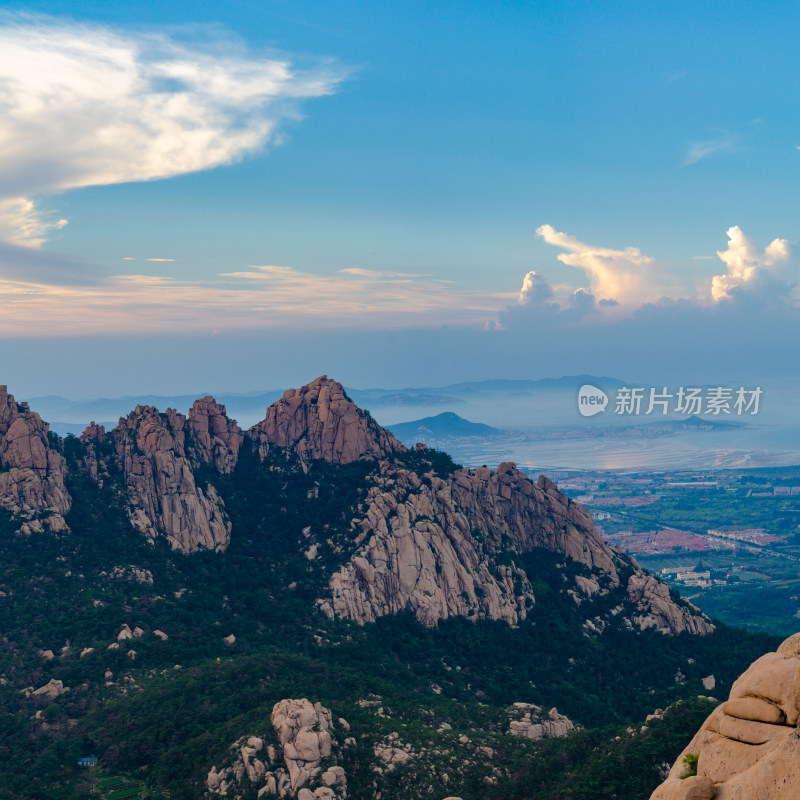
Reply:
x=426, y=538
x=133, y=635
x=439, y=427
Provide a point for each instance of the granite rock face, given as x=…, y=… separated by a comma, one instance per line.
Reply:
x=429, y=544
x=32, y=471
x=532, y=722
x=435, y=545
x=163, y=497
x=320, y=421
x=304, y=733
x=216, y=438
x=749, y=747
x=657, y=609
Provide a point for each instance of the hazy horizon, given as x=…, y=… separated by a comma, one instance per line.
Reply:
x=242, y=197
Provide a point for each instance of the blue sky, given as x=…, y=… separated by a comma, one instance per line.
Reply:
x=406, y=170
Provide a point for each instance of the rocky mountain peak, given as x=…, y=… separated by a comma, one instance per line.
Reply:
x=162, y=493
x=319, y=420
x=31, y=470
x=215, y=437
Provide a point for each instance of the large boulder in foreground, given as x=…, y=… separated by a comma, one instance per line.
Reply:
x=749, y=747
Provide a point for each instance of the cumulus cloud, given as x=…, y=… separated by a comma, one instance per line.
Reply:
x=750, y=269
x=627, y=277
x=83, y=105
x=535, y=290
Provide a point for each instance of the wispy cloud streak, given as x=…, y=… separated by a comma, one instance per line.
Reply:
x=257, y=298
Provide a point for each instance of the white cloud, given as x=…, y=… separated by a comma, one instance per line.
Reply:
x=83, y=105
x=625, y=276
x=257, y=298
x=753, y=269
x=535, y=290
x=374, y=273
x=699, y=150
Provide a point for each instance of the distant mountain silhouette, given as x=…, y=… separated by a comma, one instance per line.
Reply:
x=442, y=426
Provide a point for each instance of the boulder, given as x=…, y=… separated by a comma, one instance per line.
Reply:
x=304, y=732
x=749, y=747
x=531, y=722
x=51, y=690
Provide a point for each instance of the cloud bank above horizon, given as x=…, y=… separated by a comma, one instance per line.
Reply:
x=87, y=105
x=84, y=105
x=621, y=282
x=42, y=294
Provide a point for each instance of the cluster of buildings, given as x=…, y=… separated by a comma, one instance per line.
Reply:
x=691, y=576
x=673, y=540
x=752, y=535
x=775, y=491
x=667, y=540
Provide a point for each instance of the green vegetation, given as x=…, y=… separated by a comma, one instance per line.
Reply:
x=428, y=460
x=690, y=759
x=160, y=721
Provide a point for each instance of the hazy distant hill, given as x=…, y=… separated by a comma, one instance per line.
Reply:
x=442, y=426
x=72, y=416
x=565, y=383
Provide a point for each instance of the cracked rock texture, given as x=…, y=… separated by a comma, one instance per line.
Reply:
x=532, y=722
x=32, y=472
x=749, y=747
x=434, y=545
x=304, y=733
x=428, y=544
x=215, y=438
x=162, y=494
x=658, y=610
x=320, y=421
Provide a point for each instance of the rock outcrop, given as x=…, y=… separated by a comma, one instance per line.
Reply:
x=532, y=722
x=749, y=747
x=435, y=545
x=304, y=733
x=163, y=497
x=215, y=438
x=658, y=610
x=428, y=544
x=320, y=421
x=51, y=690
x=32, y=471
